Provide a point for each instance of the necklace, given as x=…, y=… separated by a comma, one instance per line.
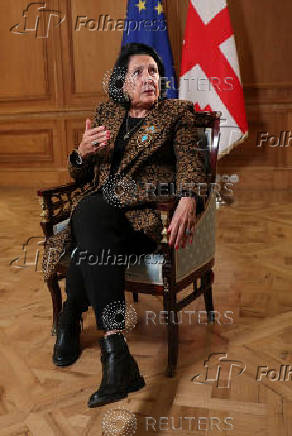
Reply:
x=128, y=132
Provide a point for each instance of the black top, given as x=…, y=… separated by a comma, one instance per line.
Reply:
x=120, y=142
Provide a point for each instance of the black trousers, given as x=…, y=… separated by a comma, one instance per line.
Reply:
x=106, y=244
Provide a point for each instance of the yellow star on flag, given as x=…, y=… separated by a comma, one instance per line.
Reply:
x=141, y=5
x=159, y=8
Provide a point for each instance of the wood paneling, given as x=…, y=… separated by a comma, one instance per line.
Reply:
x=50, y=85
x=30, y=72
x=89, y=52
x=264, y=41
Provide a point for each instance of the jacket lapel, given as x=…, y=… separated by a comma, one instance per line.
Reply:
x=113, y=123
x=144, y=141
x=141, y=144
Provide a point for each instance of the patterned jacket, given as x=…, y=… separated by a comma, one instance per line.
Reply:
x=163, y=150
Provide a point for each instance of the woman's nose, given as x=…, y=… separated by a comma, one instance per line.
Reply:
x=147, y=78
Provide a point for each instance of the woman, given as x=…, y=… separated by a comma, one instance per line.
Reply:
x=139, y=140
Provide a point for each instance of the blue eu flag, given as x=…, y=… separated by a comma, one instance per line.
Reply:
x=146, y=24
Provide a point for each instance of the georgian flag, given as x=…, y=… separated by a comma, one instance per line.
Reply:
x=210, y=75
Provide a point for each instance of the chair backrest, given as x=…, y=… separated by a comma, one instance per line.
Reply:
x=208, y=124
x=208, y=129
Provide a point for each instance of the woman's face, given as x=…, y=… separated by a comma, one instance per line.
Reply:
x=142, y=80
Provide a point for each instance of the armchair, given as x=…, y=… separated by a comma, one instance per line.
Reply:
x=180, y=268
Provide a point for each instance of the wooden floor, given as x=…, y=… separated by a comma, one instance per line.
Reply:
x=253, y=278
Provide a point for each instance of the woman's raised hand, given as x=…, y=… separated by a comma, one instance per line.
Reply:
x=93, y=139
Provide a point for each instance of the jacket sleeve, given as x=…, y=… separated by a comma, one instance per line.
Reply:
x=84, y=172
x=190, y=158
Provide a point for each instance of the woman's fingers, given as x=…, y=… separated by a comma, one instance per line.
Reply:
x=192, y=229
x=173, y=228
x=176, y=234
x=100, y=137
x=99, y=129
x=180, y=235
x=87, y=124
x=176, y=231
x=93, y=139
x=184, y=220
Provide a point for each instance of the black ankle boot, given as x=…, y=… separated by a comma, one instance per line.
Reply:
x=120, y=372
x=67, y=348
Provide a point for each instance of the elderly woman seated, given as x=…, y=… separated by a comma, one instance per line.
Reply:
x=139, y=142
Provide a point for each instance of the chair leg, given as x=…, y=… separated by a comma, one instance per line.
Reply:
x=172, y=334
x=56, y=295
x=208, y=298
x=135, y=297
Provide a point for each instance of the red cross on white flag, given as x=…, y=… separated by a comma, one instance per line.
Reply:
x=210, y=75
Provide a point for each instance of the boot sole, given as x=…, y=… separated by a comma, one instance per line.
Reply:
x=139, y=384
x=66, y=362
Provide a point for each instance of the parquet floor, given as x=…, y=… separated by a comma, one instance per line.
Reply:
x=231, y=395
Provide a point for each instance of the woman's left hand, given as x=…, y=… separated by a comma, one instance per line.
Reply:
x=184, y=219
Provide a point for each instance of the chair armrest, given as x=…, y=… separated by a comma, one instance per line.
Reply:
x=166, y=209
x=57, y=189
x=166, y=205
x=56, y=204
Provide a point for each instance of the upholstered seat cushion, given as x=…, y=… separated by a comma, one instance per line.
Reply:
x=148, y=269
x=188, y=259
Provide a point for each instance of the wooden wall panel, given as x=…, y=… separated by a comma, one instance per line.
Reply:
x=264, y=39
x=49, y=86
x=90, y=53
x=30, y=73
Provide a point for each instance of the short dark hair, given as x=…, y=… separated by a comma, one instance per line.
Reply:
x=117, y=78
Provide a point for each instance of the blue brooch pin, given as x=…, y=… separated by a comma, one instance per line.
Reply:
x=146, y=137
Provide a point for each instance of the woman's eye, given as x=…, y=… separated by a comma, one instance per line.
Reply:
x=153, y=70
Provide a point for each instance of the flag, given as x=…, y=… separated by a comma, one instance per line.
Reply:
x=210, y=75
x=146, y=24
